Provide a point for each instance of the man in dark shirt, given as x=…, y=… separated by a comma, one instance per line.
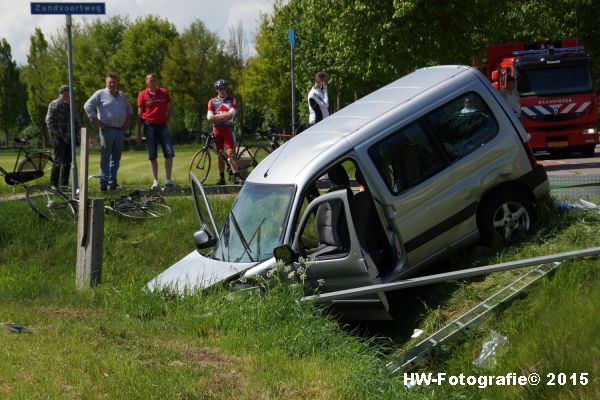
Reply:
x=58, y=120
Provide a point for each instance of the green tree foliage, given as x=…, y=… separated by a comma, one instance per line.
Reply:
x=39, y=90
x=95, y=46
x=9, y=91
x=194, y=61
x=363, y=46
x=265, y=84
x=143, y=49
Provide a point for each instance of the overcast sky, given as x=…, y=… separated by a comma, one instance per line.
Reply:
x=17, y=24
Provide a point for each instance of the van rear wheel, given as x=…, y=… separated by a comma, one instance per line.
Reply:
x=505, y=218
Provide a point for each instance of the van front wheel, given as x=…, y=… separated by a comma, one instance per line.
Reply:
x=508, y=217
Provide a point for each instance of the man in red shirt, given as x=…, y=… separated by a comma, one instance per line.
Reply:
x=154, y=112
x=221, y=111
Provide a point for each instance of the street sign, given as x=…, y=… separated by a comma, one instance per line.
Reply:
x=292, y=36
x=68, y=8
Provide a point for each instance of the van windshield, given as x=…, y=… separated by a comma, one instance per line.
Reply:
x=256, y=223
x=554, y=81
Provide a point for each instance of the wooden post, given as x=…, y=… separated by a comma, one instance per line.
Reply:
x=90, y=227
x=89, y=254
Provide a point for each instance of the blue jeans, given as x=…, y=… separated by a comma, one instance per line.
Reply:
x=111, y=145
x=155, y=134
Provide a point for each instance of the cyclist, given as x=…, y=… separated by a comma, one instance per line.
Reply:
x=221, y=111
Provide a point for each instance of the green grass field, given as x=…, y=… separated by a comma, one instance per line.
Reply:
x=118, y=341
x=134, y=170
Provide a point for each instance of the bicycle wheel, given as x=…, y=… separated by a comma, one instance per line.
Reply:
x=152, y=207
x=50, y=204
x=32, y=167
x=250, y=157
x=200, y=164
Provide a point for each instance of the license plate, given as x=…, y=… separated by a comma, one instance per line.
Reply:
x=558, y=144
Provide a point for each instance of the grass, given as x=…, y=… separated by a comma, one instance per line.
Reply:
x=118, y=341
x=134, y=170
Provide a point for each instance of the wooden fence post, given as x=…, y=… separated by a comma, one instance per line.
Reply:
x=90, y=227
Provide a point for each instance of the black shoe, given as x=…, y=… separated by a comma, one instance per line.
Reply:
x=54, y=187
x=103, y=188
x=221, y=181
x=114, y=188
x=237, y=180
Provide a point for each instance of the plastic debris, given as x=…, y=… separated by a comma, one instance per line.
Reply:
x=14, y=328
x=417, y=333
x=489, y=349
x=579, y=204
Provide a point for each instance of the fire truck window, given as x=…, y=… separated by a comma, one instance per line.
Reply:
x=463, y=125
x=406, y=158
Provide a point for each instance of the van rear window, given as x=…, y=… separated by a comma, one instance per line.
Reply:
x=418, y=151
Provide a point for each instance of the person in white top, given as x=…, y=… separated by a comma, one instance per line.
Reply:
x=318, y=101
x=511, y=95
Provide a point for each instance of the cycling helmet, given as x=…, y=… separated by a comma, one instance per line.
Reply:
x=221, y=83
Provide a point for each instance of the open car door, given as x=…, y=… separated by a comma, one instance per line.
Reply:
x=327, y=239
x=204, y=214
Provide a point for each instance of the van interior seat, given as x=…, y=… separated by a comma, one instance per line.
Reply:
x=332, y=230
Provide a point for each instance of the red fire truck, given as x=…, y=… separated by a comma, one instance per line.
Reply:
x=559, y=104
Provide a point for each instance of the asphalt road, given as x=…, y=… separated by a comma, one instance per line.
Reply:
x=573, y=165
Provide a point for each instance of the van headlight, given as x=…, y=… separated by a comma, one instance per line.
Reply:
x=590, y=131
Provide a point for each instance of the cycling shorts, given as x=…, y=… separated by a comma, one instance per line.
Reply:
x=224, y=137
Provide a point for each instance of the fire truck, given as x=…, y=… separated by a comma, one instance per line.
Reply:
x=559, y=104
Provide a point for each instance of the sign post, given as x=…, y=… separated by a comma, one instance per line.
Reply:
x=68, y=9
x=292, y=41
x=89, y=254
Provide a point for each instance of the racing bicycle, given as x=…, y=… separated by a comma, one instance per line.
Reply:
x=248, y=158
x=54, y=205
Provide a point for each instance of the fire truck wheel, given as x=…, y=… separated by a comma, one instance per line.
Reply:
x=588, y=151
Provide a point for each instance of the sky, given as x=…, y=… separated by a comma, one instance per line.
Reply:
x=17, y=24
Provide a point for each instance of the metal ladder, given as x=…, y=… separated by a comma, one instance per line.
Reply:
x=423, y=350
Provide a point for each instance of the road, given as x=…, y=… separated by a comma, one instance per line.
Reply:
x=577, y=165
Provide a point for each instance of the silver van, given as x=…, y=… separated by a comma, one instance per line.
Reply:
x=430, y=163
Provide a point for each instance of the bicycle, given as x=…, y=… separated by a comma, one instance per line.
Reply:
x=248, y=158
x=30, y=167
x=54, y=205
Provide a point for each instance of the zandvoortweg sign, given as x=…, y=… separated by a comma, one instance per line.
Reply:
x=68, y=8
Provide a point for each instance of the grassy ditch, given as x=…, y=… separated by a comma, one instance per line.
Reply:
x=117, y=341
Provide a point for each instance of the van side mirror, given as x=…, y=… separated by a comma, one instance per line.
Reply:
x=285, y=254
x=203, y=240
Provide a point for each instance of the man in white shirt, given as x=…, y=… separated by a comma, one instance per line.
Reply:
x=318, y=101
x=511, y=95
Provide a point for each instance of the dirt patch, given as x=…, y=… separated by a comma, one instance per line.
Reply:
x=224, y=371
x=67, y=313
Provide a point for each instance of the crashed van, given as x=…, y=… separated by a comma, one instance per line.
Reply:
x=428, y=164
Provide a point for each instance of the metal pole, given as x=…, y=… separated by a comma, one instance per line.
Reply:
x=293, y=94
x=447, y=276
x=72, y=109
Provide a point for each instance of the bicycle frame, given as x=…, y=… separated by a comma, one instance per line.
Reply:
x=21, y=150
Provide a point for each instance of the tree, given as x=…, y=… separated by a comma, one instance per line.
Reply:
x=9, y=89
x=143, y=49
x=194, y=61
x=265, y=83
x=95, y=47
x=39, y=92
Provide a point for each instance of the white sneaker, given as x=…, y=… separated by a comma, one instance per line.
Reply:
x=155, y=186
